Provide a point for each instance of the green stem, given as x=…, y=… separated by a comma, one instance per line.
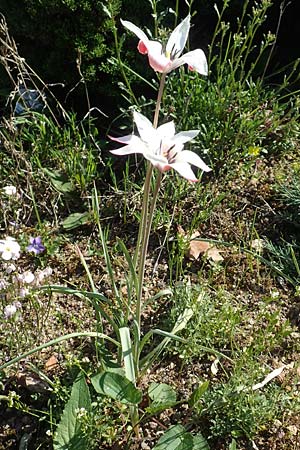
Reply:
x=145, y=228
x=159, y=97
x=142, y=262
x=147, y=184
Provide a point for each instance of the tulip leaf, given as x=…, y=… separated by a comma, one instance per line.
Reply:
x=69, y=434
x=198, y=393
x=163, y=397
x=60, y=181
x=177, y=438
x=117, y=387
x=75, y=220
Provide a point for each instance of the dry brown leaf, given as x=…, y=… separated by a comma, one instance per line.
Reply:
x=198, y=247
x=51, y=363
x=31, y=382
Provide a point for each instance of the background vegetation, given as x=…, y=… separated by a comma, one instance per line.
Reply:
x=240, y=284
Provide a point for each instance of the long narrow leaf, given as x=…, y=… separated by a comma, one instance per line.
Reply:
x=57, y=341
x=86, y=294
x=77, y=292
x=127, y=354
x=109, y=268
x=86, y=268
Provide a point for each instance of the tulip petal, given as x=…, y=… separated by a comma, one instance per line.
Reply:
x=195, y=59
x=193, y=158
x=156, y=160
x=184, y=169
x=136, y=30
x=166, y=131
x=178, y=38
x=123, y=139
x=157, y=59
x=144, y=126
x=136, y=145
x=184, y=136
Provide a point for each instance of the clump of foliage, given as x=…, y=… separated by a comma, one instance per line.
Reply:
x=75, y=36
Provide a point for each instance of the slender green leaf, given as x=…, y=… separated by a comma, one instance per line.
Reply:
x=69, y=434
x=127, y=353
x=182, y=320
x=57, y=341
x=77, y=292
x=180, y=324
x=158, y=295
x=232, y=445
x=117, y=387
x=108, y=264
x=94, y=297
x=198, y=393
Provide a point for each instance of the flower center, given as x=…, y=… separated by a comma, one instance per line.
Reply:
x=168, y=152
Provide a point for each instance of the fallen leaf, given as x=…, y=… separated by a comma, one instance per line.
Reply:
x=51, y=363
x=275, y=373
x=197, y=247
x=31, y=382
x=214, y=367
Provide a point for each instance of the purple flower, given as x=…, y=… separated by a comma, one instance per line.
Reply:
x=36, y=245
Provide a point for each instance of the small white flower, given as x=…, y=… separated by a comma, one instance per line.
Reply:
x=80, y=412
x=10, y=268
x=23, y=292
x=26, y=277
x=47, y=271
x=10, y=310
x=42, y=274
x=9, y=248
x=10, y=190
x=3, y=284
x=274, y=294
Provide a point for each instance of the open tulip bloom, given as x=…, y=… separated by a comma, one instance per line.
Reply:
x=162, y=147
x=164, y=60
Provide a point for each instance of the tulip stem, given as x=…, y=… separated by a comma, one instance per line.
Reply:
x=145, y=224
x=159, y=97
x=147, y=183
x=142, y=262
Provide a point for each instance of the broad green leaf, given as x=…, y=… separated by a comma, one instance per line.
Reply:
x=161, y=392
x=69, y=435
x=117, y=387
x=198, y=393
x=60, y=181
x=75, y=220
x=177, y=438
x=232, y=445
x=163, y=397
